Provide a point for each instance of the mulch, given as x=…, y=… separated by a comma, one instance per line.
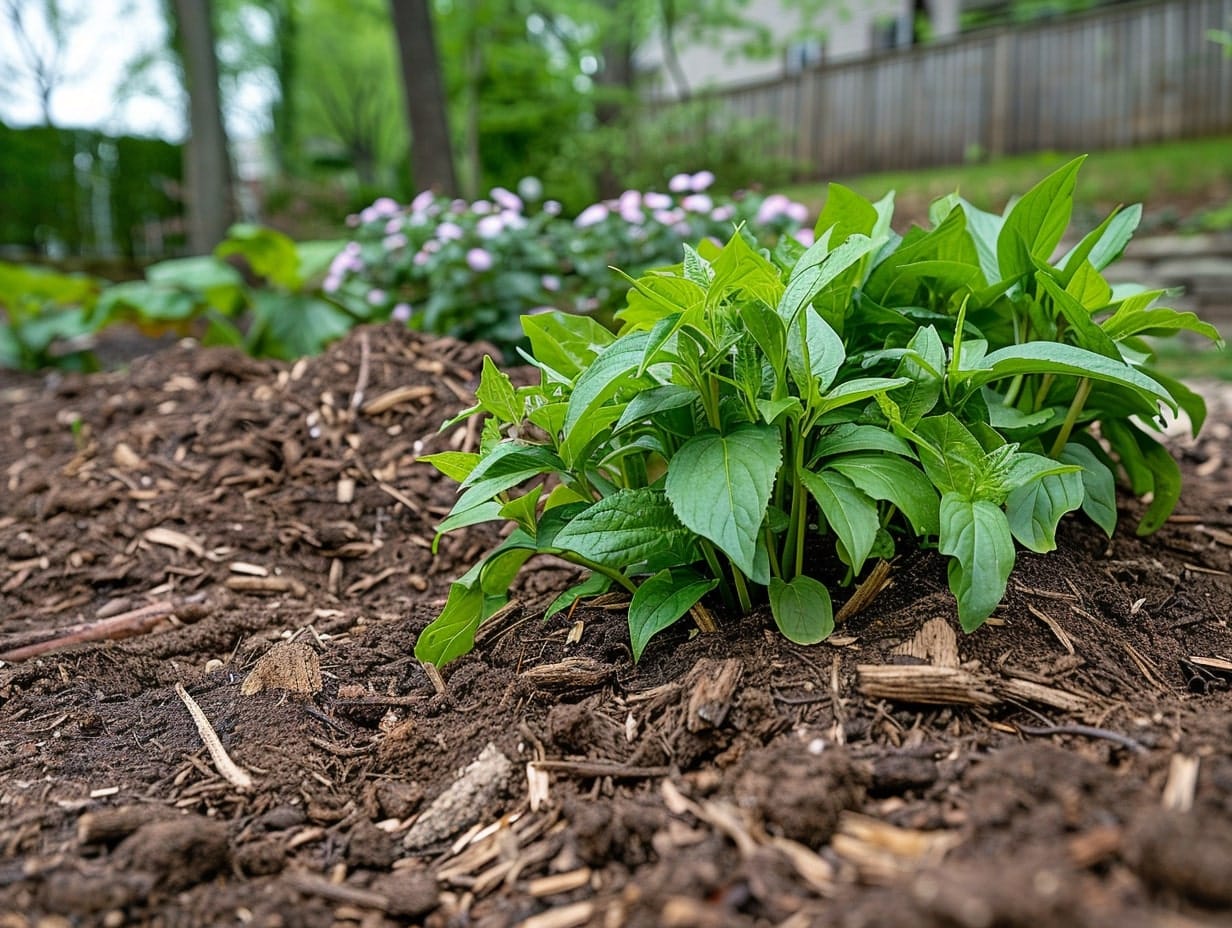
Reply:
x=256, y=538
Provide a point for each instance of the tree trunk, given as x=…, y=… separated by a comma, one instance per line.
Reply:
x=207, y=166
x=615, y=92
x=431, y=153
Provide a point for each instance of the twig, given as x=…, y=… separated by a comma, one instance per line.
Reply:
x=361, y=380
x=582, y=768
x=124, y=625
x=232, y=772
x=1087, y=731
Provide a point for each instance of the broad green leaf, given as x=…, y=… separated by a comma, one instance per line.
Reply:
x=655, y=400
x=896, y=480
x=845, y=213
x=452, y=633
x=1167, y=484
x=496, y=394
x=523, y=510
x=269, y=253
x=506, y=471
x=660, y=602
x=851, y=437
x=615, y=367
x=719, y=486
x=740, y=269
x=1124, y=441
x=948, y=241
x=1035, y=509
x=1022, y=468
x=697, y=269
x=1098, y=484
x=489, y=511
x=626, y=528
x=594, y=585
x=976, y=535
x=1089, y=288
x=1158, y=321
x=564, y=342
x=849, y=510
x=808, y=280
x=952, y=457
x=1036, y=223
x=984, y=229
x=456, y=465
x=764, y=324
x=1191, y=403
x=1055, y=358
x=802, y=609
x=771, y=410
x=1088, y=334
x=858, y=390
x=294, y=325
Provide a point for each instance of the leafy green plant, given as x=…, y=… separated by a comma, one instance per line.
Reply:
x=277, y=310
x=45, y=318
x=767, y=424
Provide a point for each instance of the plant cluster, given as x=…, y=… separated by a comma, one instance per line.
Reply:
x=472, y=270
x=766, y=424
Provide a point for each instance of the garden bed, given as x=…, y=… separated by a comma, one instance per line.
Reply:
x=1068, y=764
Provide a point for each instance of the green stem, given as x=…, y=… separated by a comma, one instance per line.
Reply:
x=716, y=568
x=1045, y=386
x=1071, y=417
x=775, y=567
x=1011, y=395
x=742, y=591
x=611, y=573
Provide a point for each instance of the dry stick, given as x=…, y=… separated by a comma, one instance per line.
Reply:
x=1087, y=731
x=232, y=772
x=361, y=380
x=600, y=769
x=124, y=625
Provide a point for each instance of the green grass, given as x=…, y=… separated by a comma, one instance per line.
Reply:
x=1176, y=177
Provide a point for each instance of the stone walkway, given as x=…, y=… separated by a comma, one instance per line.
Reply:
x=1199, y=264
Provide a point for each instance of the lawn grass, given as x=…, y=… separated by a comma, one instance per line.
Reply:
x=1173, y=177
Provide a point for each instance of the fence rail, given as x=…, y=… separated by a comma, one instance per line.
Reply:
x=1111, y=78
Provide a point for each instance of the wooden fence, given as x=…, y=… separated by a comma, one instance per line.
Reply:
x=1115, y=77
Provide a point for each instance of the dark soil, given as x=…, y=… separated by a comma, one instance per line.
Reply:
x=1072, y=768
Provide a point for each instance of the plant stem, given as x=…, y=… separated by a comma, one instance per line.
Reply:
x=1045, y=386
x=716, y=568
x=1071, y=417
x=742, y=591
x=611, y=573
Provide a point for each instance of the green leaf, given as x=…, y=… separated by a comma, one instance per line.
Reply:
x=814, y=352
x=1089, y=335
x=764, y=324
x=1105, y=243
x=655, y=400
x=523, y=510
x=696, y=268
x=293, y=325
x=895, y=480
x=594, y=585
x=1167, y=484
x=809, y=279
x=1098, y=484
x=851, y=437
x=924, y=369
x=660, y=602
x=720, y=485
x=1037, y=222
x=502, y=469
x=802, y=609
x=269, y=253
x=952, y=457
x=1123, y=438
x=1056, y=358
x=496, y=394
x=851, y=513
x=845, y=213
x=615, y=367
x=1191, y=403
x=564, y=342
x=1035, y=509
x=452, y=633
x=489, y=511
x=858, y=390
x=984, y=229
x=976, y=535
x=456, y=465
x=626, y=528
x=771, y=410
x=1161, y=320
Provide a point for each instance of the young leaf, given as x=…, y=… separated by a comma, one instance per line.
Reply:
x=496, y=394
x=924, y=368
x=952, y=457
x=452, y=633
x=456, y=465
x=660, y=601
x=1035, y=509
x=814, y=352
x=615, y=367
x=626, y=528
x=976, y=534
x=802, y=609
x=845, y=213
x=858, y=390
x=1098, y=484
x=1104, y=244
x=851, y=437
x=719, y=486
x=565, y=342
x=655, y=400
x=1167, y=488
x=1036, y=223
x=849, y=510
x=896, y=480
x=593, y=585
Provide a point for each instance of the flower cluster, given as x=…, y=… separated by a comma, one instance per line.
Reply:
x=471, y=269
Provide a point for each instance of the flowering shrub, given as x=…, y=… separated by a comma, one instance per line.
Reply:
x=473, y=269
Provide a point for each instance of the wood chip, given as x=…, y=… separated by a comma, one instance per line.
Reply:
x=267, y=585
x=558, y=883
x=478, y=784
x=288, y=665
x=883, y=853
x=125, y=458
x=232, y=772
x=396, y=397
x=1182, y=783
x=935, y=642
x=170, y=538
x=712, y=686
x=1053, y=626
x=565, y=916
x=572, y=673
x=877, y=581
x=927, y=685
x=248, y=570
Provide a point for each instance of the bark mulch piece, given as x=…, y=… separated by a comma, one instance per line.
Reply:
x=204, y=515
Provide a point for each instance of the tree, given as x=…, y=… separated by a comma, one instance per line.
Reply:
x=206, y=161
x=40, y=33
x=431, y=151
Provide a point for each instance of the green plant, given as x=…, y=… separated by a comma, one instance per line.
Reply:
x=45, y=321
x=278, y=310
x=767, y=424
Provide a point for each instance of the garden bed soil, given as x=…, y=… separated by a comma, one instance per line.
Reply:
x=1068, y=764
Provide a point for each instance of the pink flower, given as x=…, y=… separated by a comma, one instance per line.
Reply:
x=384, y=206
x=771, y=208
x=490, y=226
x=449, y=232
x=481, y=207
x=697, y=203
x=479, y=260
x=401, y=312
x=595, y=213
x=395, y=242
x=681, y=183
x=422, y=201
x=550, y=282
x=653, y=200
x=394, y=225
x=701, y=181
x=421, y=258
x=431, y=246
x=796, y=212
x=507, y=199
x=669, y=216
x=331, y=283
x=552, y=207
x=376, y=297
x=723, y=213
x=805, y=236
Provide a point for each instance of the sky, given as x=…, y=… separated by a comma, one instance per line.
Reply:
x=111, y=35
